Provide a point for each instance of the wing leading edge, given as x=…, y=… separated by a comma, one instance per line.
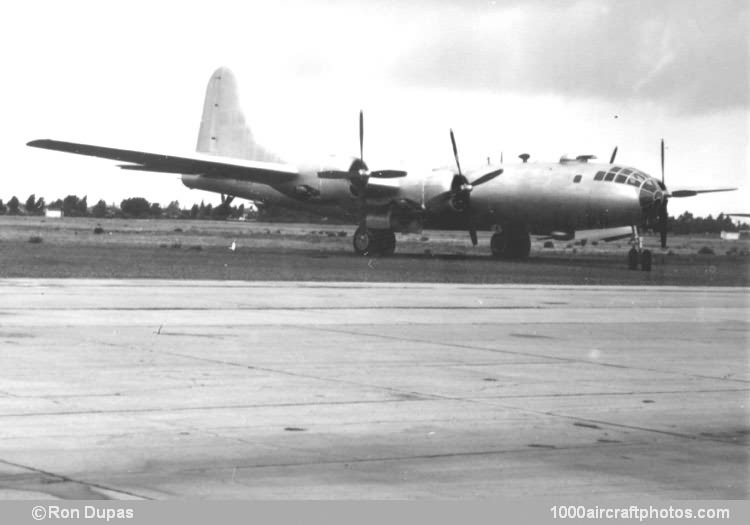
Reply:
x=197, y=164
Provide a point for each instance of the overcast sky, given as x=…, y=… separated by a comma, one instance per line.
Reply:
x=544, y=77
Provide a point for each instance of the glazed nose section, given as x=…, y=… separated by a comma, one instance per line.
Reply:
x=647, y=198
x=650, y=195
x=653, y=201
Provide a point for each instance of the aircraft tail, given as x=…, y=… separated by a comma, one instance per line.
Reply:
x=223, y=129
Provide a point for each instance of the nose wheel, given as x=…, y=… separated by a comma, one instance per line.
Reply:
x=637, y=256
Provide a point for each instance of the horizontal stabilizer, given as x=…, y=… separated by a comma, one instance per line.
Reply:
x=193, y=164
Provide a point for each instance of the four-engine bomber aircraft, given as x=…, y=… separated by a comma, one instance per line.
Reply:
x=513, y=201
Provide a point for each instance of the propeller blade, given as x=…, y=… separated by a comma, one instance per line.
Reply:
x=387, y=174
x=693, y=193
x=662, y=161
x=361, y=135
x=614, y=154
x=663, y=220
x=487, y=177
x=473, y=235
x=455, y=152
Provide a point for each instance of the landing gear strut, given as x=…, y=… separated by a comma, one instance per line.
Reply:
x=374, y=242
x=511, y=243
x=637, y=255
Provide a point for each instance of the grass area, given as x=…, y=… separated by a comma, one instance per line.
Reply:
x=120, y=248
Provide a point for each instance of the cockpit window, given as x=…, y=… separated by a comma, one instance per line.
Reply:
x=649, y=185
x=609, y=176
x=621, y=178
x=599, y=175
x=627, y=172
x=634, y=181
x=616, y=169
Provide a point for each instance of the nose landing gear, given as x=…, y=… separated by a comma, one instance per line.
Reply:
x=637, y=256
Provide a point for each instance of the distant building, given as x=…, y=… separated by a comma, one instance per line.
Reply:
x=53, y=214
x=730, y=236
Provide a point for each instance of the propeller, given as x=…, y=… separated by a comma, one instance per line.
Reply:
x=660, y=204
x=460, y=193
x=358, y=173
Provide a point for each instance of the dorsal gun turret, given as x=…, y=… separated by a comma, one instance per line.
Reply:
x=580, y=158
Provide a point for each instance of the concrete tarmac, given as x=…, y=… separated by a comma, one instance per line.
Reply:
x=258, y=390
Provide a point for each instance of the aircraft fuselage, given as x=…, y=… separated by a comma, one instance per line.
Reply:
x=544, y=197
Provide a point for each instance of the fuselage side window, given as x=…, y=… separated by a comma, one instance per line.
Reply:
x=577, y=178
x=599, y=175
x=621, y=178
x=609, y=176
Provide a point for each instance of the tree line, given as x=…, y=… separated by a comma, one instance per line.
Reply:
x=141, y=208
x=131, y=208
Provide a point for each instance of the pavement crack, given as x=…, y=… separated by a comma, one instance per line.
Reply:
x=519, y=353
x=64, y=478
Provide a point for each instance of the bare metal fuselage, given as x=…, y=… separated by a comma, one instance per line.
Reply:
x=544, y=197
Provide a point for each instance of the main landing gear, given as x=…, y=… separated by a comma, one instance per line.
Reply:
x=374, y=242
x=511, y=243
x=637, y=255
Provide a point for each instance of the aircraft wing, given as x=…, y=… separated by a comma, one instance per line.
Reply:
x=195, y=164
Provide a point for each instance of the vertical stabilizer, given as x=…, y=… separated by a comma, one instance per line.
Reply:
x=223, y=130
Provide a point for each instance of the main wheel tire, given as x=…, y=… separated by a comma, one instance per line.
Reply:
x=363, y=241
x=373, y=242
x=387, y=243
x=520, y=245
x=510, y=244
x=633, y=259
x=646, y=260
x=497, y=245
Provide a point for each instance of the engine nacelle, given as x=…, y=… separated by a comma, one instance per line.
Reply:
x=378, y=221
x=562, y=235
x=341, y=163
x=402, y=219
x=340, y=191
